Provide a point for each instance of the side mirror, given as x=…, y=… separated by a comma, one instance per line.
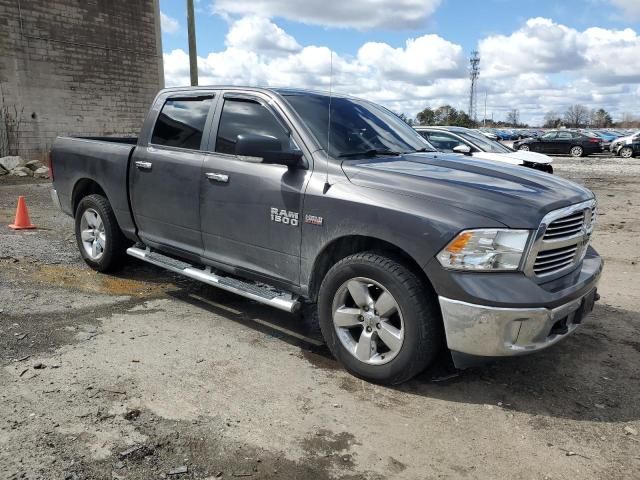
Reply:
x=268, y=148
x=464, y=149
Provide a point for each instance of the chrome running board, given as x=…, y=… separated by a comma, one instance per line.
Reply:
x=269, y=296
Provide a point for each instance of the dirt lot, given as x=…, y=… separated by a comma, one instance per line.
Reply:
x=145, y=375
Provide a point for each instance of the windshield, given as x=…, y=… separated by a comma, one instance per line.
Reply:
x=483, y=143
x=358, y=128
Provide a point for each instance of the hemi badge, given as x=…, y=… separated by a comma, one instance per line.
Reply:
x=313, y=220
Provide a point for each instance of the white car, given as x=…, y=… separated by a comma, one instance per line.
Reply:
x=469, y=142
x=618, y=143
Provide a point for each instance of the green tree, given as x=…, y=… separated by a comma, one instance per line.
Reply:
x=601, y=118
x=406, y=119
x=426, y=117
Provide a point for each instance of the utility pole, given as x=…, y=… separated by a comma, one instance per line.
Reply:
x=484, y=118
x=193, y=53
x=474, y=73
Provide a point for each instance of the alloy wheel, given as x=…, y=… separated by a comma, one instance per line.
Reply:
x=626, y=152
x=92, y=234
x=368, y=321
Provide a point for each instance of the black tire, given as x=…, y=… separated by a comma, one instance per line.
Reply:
x=418, y=305
x=113, y=254
x=576, y=151
x=626, y=152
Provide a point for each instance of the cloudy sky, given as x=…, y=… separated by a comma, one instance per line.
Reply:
x=536, y=55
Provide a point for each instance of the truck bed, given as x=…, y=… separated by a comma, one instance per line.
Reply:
x=76, y=161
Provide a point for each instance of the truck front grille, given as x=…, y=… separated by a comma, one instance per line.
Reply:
x=565, y=227
x=561, y=241
x=554, y=260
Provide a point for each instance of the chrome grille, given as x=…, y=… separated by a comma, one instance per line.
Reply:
x=561, y=241
x=553, y=260
x=565, y=226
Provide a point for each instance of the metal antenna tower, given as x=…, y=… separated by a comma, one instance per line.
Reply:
x=474, y=73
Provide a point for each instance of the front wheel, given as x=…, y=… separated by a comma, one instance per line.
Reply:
x=99, y=238
x=524, y=148
x=378, y=318
x=576, y=151
x=626, y=152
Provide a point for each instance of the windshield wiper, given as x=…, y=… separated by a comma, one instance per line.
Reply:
x=369, y=153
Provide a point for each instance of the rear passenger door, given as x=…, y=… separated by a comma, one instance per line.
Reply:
x=251, y=212
x=165, y=174
x=563, y=142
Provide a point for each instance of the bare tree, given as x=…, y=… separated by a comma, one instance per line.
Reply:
x=513, y=117
x=577, y=116
x=10, y=125
x=552, y=119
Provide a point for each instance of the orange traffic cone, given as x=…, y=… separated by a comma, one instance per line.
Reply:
x=22, y=221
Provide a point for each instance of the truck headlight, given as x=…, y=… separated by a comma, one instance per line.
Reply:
x=485, y=249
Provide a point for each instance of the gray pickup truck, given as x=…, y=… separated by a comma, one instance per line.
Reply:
x=291, y=197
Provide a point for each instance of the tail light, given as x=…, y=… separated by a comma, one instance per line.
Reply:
x=50, y=165
x=594, y=140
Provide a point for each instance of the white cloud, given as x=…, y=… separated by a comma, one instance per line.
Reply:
x=543, y=46
x=361, y=14
x=630, y=8
x=260, y=35
x=539, y=46
x=169, y=24
x=539, y=67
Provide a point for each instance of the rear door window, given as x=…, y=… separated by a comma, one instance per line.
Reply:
x=181, y=122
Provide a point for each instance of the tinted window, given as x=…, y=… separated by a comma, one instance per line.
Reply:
x=357, y=126
x=181, y=122
x=247, y=116
x=443, y=141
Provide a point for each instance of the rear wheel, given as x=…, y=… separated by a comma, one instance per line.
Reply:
x=378, y=318
x=524, y=148
x=626, y=152
x=576, y=151
x=99, y=238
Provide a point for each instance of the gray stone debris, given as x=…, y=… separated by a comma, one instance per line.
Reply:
x=42, y=172
x=22, y=172
x=11, y=162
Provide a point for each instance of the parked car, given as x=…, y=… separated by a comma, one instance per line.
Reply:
x=488, y=133
x=630, y=148
x=561, y=142
x=619, y=142
x=465, y=141
x=291, y=198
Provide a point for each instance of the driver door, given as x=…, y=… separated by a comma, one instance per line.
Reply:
x=251, y=212
x=546, y=143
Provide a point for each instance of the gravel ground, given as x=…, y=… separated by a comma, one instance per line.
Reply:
x=148, y=375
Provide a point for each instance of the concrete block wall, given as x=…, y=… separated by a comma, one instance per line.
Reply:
x=78, y=67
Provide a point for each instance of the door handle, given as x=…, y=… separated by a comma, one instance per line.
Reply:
x=218, y=177
x=143, y=165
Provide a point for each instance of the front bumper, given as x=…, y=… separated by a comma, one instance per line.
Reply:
x=486, y=331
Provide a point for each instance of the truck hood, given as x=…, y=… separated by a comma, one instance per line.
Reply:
x=514, y=158
x=515, y=196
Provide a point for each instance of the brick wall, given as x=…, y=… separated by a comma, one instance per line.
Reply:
x=77, y=67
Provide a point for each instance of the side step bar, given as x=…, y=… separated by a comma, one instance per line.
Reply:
x=263, y=294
